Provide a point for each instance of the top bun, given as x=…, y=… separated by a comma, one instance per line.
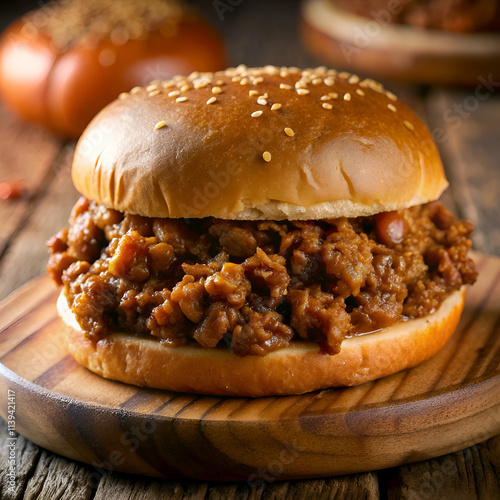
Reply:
x=258, y=143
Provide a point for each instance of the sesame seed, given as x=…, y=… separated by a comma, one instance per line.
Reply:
x=122, y=96
x=261, y=101
x=300, y=84
x=160, y=124
x=253, y=92
x=353, y=79
x=185, y=88
x=392, y=107
x=333, y=95
x=275, y=106
x=391, y=96
x=267, y=156
x=377, y=87
x=153, y=93
x=200, y=84
x=174, y=93
x=327, y=105
x=302, y=91
x=329, y=81
x=284, y=73
x=181, y=99
x=167, y=84
x=409, y=125
x=326, y=98
x=216, y=90
x=270, y=69
x=244, y=81
x=344, y=75
x=256, y=114
x=285, y=86
x=347, y=96
x=212, y=100
x=259, y=79
x=317, y=81
x=236, y=79
x=220, y=82
x=360, y=92
x=289, y=132
x=135, y=90
x=151, y=87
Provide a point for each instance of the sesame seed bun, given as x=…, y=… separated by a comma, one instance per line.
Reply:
x=261, y=143
x=296, y=369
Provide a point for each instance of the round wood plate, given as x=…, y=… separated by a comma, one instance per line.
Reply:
x=448, y=403
x=384, y=50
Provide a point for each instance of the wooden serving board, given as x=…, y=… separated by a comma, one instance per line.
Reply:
x=448, y=403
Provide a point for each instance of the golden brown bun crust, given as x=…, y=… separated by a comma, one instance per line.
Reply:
x=63, y=88
x=367, y=154
x=296, y=369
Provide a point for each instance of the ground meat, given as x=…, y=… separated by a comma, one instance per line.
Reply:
x=255, y=286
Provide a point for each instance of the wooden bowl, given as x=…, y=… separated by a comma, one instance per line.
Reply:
x=398, y=52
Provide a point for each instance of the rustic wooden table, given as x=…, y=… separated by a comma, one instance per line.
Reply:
x=466, y=124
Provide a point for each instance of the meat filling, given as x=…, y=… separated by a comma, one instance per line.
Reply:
x=256, y=285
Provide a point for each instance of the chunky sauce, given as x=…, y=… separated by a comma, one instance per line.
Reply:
x=256, y=285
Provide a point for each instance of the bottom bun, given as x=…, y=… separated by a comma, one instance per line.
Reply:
x=296, y=369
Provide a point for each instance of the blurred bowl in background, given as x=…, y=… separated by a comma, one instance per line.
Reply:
x=378, y=46
x=62, y=63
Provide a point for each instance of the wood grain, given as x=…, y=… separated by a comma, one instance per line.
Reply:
x=466, y=130
x=27, y=155
x=442, y=478
x=27, y=456
x=26, y=255
x=446, y=404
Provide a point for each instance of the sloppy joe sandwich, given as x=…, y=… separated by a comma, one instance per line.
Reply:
x=258, y=231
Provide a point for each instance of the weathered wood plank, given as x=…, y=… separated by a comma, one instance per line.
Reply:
x=57, y=477
x=355, y=487
x=27, y=154
x=122, y=487
x=493, y=445
x=468, y=474
x=465, y=126
x=27, y=255
x=27, y=455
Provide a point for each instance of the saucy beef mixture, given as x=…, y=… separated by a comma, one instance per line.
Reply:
x=256, y=285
